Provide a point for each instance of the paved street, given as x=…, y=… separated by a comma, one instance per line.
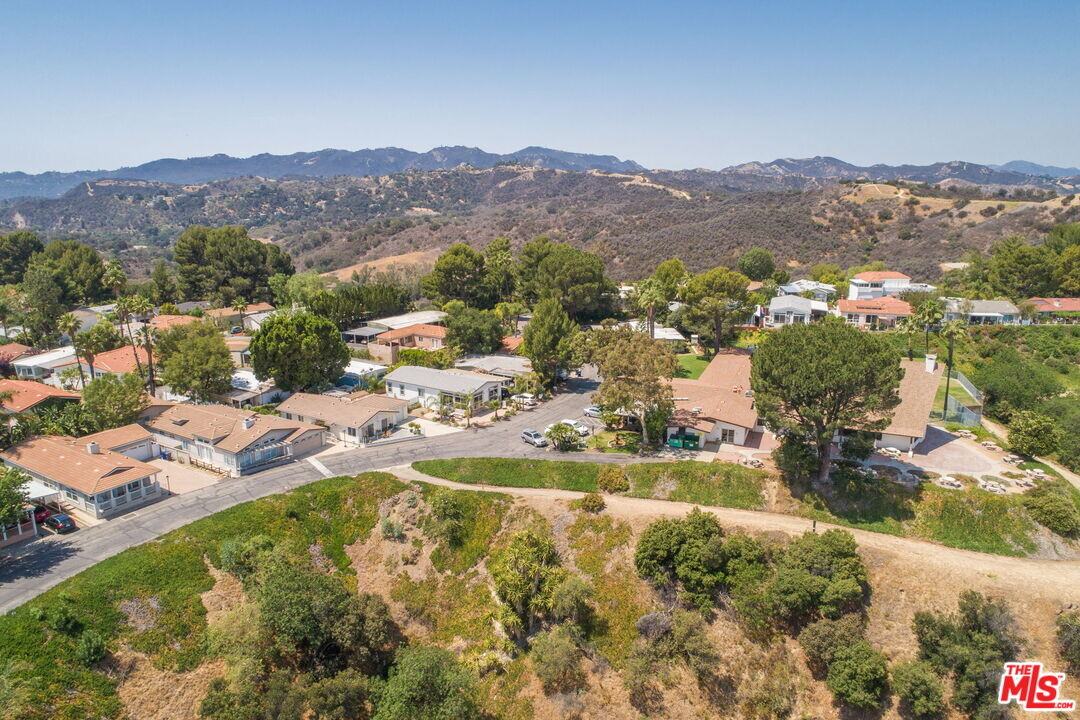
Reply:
x=32, y=568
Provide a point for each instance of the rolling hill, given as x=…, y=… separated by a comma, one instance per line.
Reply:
x=633, y=220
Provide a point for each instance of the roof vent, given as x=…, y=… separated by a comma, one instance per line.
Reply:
x=93, y=448
x=249, y=422
x=696, y=410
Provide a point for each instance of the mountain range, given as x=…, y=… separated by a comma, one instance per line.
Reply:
x=780, y=174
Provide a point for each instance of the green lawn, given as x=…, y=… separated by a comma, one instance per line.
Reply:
x=691, y=366
x=722, y=484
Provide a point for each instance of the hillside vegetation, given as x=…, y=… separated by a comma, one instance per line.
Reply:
x=369, y=597
x=633, y=221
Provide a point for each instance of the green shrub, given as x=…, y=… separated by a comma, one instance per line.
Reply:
x=1068, y=639
x=391, y=529
x=63, y=620
x=90, y=649
x=447, y=510
x=859, y=675
x=612, y=479
x=427, y=682
x=1052, y=509
x=1033, y=434
x=919, y=688
x=556, y=660
x=823, y=640
x=592, y=503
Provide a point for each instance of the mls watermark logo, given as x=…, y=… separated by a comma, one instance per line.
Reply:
x=1033, y=689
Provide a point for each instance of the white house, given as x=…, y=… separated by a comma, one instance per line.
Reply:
x=794, y=310
x=428, y=386
x=918, y=390
x=877, y=313
x=358, y=373
x=228, y=440
x=508, y=366
x=352, y=420
x=365, y=333
x=102, y=474
x=42, y=365
x=716, y=408
x=248, y=391
x=819, y=290
x=874, y=284
x=981, y=312
x=666, y=334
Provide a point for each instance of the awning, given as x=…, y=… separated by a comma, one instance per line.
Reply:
x=366, y=331
x=37, y=491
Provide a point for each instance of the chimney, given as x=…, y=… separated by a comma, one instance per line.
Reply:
x=249, y=422
x=93, y=448
x=931, y=363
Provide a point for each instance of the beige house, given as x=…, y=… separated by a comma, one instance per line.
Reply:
x=229, y=440
x=354, y=419
x=718, y=407
x=918, y=390
x=94, y=474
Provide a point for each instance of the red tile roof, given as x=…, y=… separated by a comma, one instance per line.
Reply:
x=1046, y=305
x=28, y=394
x=720, y=394
x=229, y=312
x=121, y=360
x=14, y=350
x=511, y=343
x=878, y=306
x=879, y=275
x=165, y=322
x=422, y=329
x=67, y=460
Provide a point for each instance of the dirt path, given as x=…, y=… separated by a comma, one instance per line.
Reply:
x=1029, y=577
x=1002, y=432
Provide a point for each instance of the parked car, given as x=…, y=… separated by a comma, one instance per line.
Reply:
x=524, y=399
x=41, y=513
x=60, y=523
x=236, y=330
x=533, y=437
x=592, y=411
x=580, y=428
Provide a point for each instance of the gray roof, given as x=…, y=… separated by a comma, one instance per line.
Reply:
x=796, y=303
x=365, y=331
x=450, y=381
x=981, y=307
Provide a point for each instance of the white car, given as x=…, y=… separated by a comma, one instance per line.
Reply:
x=580, y=428
x=527, y=399
x=592, y=411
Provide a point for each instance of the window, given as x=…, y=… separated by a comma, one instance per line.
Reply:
x=133, y=485
x=351, y=431
x=147, y=482
x=119, y=492
x=727, y=435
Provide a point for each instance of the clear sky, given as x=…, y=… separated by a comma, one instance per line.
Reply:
x=88, y=85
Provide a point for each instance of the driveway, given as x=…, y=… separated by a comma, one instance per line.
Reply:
x=944, y=453
x=30, y=569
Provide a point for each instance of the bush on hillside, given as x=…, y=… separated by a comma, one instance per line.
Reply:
x=1068, y=639
x=90, y=649
x=859, y=676
x=556, y=660
x=1032, y=434
x=823, y=640
x=612, y=479
x=1054, y=510
x=592, y=503
x=919, y=688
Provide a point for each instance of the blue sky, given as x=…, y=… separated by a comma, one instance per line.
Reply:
x=669, y=84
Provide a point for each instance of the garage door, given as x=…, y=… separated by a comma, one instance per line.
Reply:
x=142, y=451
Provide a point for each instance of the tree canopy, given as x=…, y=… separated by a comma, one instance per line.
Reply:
x=197, y=362
x=716, y=300
x=549, y=340
x=757, y=264
x=224, y=263
x=299, y=351
x=816, y=380
x=111, y=400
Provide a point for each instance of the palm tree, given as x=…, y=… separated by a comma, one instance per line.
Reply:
x=147, y=334
x=950, y=332
x=908, y=327
x=85, y=347
x=240, y=305
x=70, y=326
x=7, y=312
x=929, y=314
x=650, y=297
x=138, y=305
x=114, y=278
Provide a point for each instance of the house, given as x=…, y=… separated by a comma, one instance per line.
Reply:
x=363, y=334
x=228, y=316
x=511, y=343
x=667, y=334
x=12, y=351
x=254, y=321
x=507, y=366
x=248, y=391
x=161, y=323
x=41, y=366
x=818, y=290
x=121, y=361
x=428, y=386
x=229, y=440
x=239, y=349
x=716, y=408
x=87, y=317
x=186, y=307
x=873, y=313
x=28, y=395
x=87, y=472
x=981, y=312
x=1046, y=309
x=359, y=373
x=420, y=336
x=880, y=283
x=794, y=310
x=354, y=419
x=918, y=390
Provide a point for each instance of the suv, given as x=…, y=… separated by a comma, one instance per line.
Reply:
x=527, y=399
x=534, y=438
x=60, y=524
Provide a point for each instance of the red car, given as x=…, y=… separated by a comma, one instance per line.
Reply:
x=40, y=513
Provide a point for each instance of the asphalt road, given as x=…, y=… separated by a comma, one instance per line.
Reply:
x=29, y=569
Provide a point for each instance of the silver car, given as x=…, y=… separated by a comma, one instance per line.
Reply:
x=534, y=438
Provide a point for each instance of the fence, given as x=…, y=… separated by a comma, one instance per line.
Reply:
x=967, y=385
x=956, y=412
